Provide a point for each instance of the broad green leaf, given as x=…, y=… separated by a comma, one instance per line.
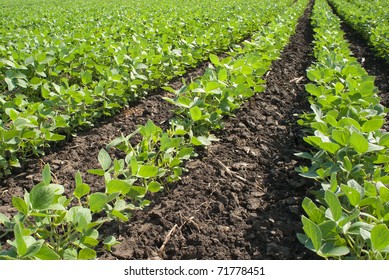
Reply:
x=341, y=136
x=380, y=237
x=97, y=201
x=313, y=232
x=20, y=205
x=154, y=187
x=329, y=147
x=222, y=75
x=337, y=252
x=109, y=242
x=147, y=171
x=46, y=253
x=70, y=254
x=104, y=159
x=149, y=129
x=89, y=241
x=195, y=113
x=328, y=229
x=46, y=174
x=81, y=188
x=41, y=197
x=214, y=59
x=86, y=78
x=333, y=204
x=20, y=243
x=352, y=194
x=119, y=215
x=359, y=142
x=372, y=125
x=315, y=90
x=200, y=141
x=313, y=212
x=137, y=192
x=118, y=186
x=384, y=140
x=76, y=213
x=384, y=194
x=34, y=248
x=87, y=254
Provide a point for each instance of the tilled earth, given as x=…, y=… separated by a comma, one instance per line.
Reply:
x=241, y=197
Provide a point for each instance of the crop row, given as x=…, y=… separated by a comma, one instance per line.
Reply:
x=49, y=225
x=349, y=216
x=60, y=71
x=370, y=19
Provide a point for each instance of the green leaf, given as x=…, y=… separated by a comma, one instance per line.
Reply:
x=154, y=187
x=329, y=147
x=200, y=141
x=20, y=205
x=46, y=174
x=313, y=212
x=20, y=243
x=313, y=232
x=384, y=194
x=384, y=140
x=352, y=194
x=70, y=254
x=104, y=159
x=86, y=78
x=137, y=192
x=195, y=113
x=97, y=201
x=81, y=188
x=118, y=186
x=222, y=75
x=372, y=125
x=109, y=242
x=380, y=237
x=147, y=171
x=34, y=248
x=46, y=253
x=214, y=59
x=359, y=143
x=99, y=172
x=341, y=136
x=87, y=254
x=337, y=252
x=315, y=90
x=334, y=205
x=41, y=197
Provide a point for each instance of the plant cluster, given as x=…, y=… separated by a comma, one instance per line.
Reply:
x=65, y=71
x=350, y=214
x=370, y=19
x=49, y=225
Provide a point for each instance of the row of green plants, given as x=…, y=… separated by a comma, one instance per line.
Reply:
x=65, y=65
x=348, y=217
x=50, y=225
x=368, y=18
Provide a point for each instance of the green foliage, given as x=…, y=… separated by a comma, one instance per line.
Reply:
x=350, y=155
x=369, y=19
x=50, y=225
x=64, y=72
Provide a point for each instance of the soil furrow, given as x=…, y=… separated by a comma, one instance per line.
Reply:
x=241, y=199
